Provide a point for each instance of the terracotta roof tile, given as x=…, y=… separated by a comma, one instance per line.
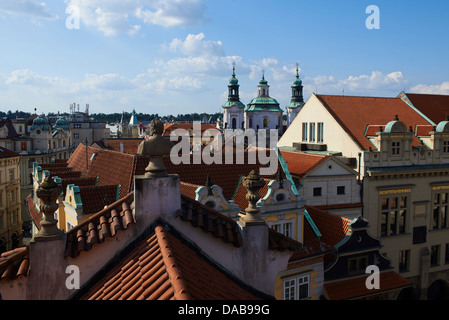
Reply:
x=210, y=221
x=94, y=198
x=356, y=288
x=35, y=216
x=129, y=145
x=332, y=227
x=102, y=224
x=6, y=153
x=355, y=113
x=433, y=106
x=163, y=267
x=300, y=163
x=14, y=263
x=226, y=176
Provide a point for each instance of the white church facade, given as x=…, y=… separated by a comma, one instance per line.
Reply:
x=263, y=111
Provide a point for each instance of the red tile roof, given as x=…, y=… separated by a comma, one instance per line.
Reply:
x=226, y=176
x=355, y=113
x=170, y=127
x=356, y=288
x=333, y=228
x=210, y=221
x=300, y=163
x=94, y=198
x=14, y=263
x=433, y=106
x=163, y=267
x=129, y=145
x=6, y=153
x=105, y=223
x=111, y=167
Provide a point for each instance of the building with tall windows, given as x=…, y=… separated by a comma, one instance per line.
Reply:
x=401, y=154
x=10, y=209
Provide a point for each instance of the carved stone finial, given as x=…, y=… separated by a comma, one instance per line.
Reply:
x=253, y=184
x=48, y=192
x=155, y=147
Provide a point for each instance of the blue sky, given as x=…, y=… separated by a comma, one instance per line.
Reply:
x=175, y=56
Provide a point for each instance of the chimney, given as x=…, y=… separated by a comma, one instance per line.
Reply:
x=156, y=193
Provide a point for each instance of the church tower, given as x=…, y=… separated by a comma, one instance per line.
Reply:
x=297, y=100
x=233, y=115
x=263, y=112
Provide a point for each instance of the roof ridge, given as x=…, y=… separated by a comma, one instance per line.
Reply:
x=100, y=213
x=174, y=274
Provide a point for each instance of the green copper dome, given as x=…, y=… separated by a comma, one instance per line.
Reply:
x=62, y=123
x=41, y=123
x=263, y=104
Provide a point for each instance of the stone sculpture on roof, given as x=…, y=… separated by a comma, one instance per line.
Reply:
x=155, y=147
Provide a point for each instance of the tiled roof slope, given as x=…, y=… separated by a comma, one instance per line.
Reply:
x=433, y=106
x=356, y=287
x=220, y=226
x=105, y=223
x=227, y=176
x=355, y=113
x=163, y=267
x=14, y=263
x=111, y=167
x=80, y=182
x=6, y=153
x=129, y=145
x=333, y=228
x=94, y=198
x=300, y=163
x=209, y=220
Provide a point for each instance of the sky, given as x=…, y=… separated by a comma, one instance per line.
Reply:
x=176, y=56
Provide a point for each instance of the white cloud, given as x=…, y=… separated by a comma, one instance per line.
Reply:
x=195, y=45
x=113, y=17
x=173, y=13
x=28, y=77
x=375, y=83
x=27, y=7
x=442, y=88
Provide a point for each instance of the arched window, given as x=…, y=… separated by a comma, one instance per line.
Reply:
x=266, y=122
x=234, y=123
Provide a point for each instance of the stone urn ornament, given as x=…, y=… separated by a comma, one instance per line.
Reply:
x=48, y=193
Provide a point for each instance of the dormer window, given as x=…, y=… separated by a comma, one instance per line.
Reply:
x=395, y=148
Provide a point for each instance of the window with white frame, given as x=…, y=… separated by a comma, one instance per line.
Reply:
x=320, y=132
x=304, y=131
x=297, y=287
x=284, y=227
x=312, y=132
